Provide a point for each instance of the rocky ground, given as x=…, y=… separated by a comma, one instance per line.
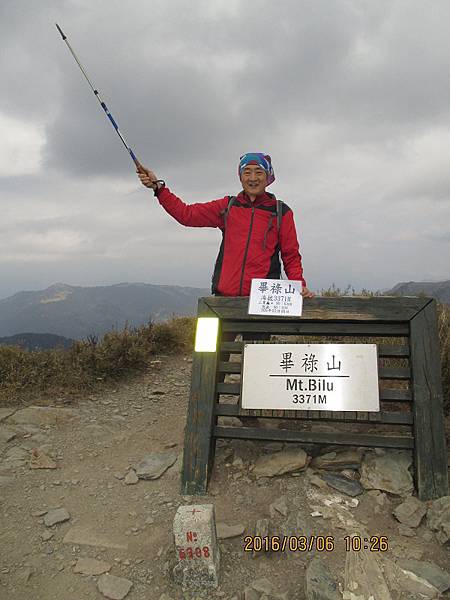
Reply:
x=78, y=521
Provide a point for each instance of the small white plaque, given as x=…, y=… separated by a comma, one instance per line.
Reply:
x=279, y=297
x=310, y=377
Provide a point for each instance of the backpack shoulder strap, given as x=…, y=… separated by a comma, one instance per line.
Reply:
x=231, y=201
x=279, y=215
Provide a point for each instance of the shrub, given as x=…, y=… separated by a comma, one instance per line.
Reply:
x=90, y=361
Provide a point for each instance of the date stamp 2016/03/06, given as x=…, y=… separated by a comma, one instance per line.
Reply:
x=320, y=543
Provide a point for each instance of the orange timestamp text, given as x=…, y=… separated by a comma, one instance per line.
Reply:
x=291, y=543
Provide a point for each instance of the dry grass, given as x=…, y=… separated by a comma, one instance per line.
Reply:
x=89, y=362
x=444, y=340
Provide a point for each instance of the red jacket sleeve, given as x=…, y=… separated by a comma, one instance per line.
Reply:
x=201, y=214
x=292, y=260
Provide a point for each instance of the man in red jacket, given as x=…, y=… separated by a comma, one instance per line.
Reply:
x=255, y=227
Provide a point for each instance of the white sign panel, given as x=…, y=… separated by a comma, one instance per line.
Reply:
x=310, y=377
x=279, y=297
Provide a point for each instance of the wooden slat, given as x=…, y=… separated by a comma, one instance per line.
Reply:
x=398, y=418
x=311, y=328
x=230, y=367
x=384, y=350
x=232, y=389
x=383, y=308
x=393, y=350
x=311, y=437
x=232, y=347
x=387, y=394
x=430, y=449
x=394, y=373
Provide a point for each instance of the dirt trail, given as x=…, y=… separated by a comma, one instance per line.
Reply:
x=112, y=431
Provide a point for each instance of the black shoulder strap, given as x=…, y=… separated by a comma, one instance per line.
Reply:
x=279, y=215
x=231, y=201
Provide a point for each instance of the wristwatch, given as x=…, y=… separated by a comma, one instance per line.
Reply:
x=160, y=184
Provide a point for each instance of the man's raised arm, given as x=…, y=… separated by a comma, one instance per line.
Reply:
x=201, y=214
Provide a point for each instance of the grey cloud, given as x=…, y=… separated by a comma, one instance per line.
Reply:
x=336, y=92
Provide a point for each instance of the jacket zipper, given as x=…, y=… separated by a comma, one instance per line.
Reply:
x=246, y=250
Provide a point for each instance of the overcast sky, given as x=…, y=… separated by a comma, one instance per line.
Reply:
x=350, y=98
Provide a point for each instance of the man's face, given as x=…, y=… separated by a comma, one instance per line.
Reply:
x=254, y=180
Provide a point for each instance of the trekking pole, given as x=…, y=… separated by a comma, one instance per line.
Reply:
x=102, y=104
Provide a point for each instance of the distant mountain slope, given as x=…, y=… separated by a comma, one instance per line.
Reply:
x=76, y=312
x=36, y=341
x=439, y=290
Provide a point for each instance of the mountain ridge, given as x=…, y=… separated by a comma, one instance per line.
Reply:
x=76, y=311
x=440, y=290
x=72, y=312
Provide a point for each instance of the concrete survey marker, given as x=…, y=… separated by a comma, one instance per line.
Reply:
x=196, y=547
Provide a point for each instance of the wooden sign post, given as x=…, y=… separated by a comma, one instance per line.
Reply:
x=410, y=389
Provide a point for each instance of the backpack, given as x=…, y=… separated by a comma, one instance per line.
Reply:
x=231, y=201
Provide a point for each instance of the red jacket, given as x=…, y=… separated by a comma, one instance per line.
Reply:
x=250, y=244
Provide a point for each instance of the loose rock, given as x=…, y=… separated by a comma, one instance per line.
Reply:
x=428, y=572
x=153, y=465
x=90, y=566
x=410, y=512
x=39, y=460
x=114, y=587
x=342, y=484
x=318, y=482
x=225, y=531
x=280, y=463
x=404, y=578
x=438, y=518
x=57, y=515
x=131, y=478
x=336, y=461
